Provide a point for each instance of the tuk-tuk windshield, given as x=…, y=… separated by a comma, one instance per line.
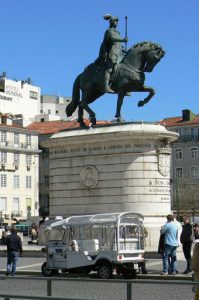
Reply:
x=131, y=237
x=55, y=235
x=129, y=231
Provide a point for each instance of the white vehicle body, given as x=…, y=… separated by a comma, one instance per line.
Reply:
x=101, y=242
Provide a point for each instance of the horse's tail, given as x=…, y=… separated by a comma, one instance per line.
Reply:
x=71, y=107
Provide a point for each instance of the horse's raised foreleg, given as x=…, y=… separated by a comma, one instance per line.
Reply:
x=119, y=105
x=148, y=98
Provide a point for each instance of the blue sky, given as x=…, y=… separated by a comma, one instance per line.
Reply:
x=52, y=41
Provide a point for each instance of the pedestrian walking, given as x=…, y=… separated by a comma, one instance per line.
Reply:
x=3, y=237
x=161, y=251
x=196, y=231
x=186, y=239
x=14, y=249
x=170, y=231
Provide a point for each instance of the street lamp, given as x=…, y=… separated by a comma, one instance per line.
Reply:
x=1, y=219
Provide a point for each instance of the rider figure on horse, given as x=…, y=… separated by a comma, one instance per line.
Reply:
x=111, y=50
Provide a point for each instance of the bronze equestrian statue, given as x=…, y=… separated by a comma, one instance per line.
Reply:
x=111, y=50
x=121, y=73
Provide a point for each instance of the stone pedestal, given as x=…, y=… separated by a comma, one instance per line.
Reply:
x=112, y=168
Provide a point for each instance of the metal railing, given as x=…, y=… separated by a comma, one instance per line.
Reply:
x=129, y=285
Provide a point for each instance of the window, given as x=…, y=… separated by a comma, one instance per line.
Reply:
x=28, y=182
x=45, y=201
x=4, y=136
x=33, y=95
x=194, y=134
x=195, y=172
x=16, y=138
x=16, y=182
x=28, y=140
x=46, y=181
x=46, y=161
x=28, y=159
x=28, y=202
x=49, y=111
x=180, y=131
x=16, y=158
x=3, y=157
x=194, y=153
x=15, y=205
x=178, y=173
x=3, y=203
x=178, y=154
x=3, y=180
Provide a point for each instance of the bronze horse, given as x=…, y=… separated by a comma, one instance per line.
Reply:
x=128, y=77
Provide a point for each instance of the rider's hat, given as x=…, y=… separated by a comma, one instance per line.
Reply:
x=114, y=18
x=110, y=18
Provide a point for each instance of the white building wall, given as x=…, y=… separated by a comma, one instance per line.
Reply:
x=18, y=97
x=56, y=105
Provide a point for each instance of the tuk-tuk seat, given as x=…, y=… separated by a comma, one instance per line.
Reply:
x=74, y=245
x=91, y=246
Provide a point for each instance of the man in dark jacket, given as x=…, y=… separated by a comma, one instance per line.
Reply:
x=186, y=240
x=14, y=249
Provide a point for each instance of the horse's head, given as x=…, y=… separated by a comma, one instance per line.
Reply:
x=144, y=56
x=153, y=56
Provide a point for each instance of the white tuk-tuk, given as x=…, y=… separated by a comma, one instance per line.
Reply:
x=99, y=242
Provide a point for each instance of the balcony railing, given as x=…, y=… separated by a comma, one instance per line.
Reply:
x=12, y=145
x=188, y=138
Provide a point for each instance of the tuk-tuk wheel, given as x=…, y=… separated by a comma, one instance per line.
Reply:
x=105, y=271
x=55, y=272
x=46, y=272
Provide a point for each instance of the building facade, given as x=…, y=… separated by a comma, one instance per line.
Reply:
x=19, y=97
x=19, y=166
x=185, y=162
x=54, y=108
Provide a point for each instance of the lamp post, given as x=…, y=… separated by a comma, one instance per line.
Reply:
x=193, y=213
x=177, y=201
x=1, y=219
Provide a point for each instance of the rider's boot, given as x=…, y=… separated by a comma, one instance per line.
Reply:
x=107, y=87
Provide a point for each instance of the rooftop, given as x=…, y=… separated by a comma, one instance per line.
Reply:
x=188, y=118
x=51, y=127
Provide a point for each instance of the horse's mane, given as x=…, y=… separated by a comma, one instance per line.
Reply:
x=152, y=44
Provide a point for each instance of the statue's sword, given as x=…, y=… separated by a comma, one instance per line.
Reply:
x=126, y=28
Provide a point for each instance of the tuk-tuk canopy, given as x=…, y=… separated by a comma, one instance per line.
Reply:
x=116, y=218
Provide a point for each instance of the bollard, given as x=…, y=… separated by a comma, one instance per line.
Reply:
x=49, y=287
x=129, y=290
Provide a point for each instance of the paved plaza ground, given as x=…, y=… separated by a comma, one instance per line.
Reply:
x=33, y=258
